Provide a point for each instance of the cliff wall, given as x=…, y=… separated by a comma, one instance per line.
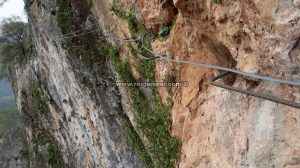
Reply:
x=215, y=127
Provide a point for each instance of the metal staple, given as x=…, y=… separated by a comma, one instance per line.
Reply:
x=252, y=93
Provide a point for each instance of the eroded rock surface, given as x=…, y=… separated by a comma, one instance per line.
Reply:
x=220, y=128
x=217, y=127
x=80, y=119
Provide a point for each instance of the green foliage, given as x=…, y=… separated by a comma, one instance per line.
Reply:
x=65, y=44
x=136, y=143
x=11, y=41
x=132, y=22
x=43, y=107
x=129, y=16
x=90, y=4
x=2, y=71
x=39, y=97
x=35, y=92
x=216, y=1
x=64, y=15
x=123, y=69
x=11, y=51
x=83, y=79
x=146, y=68
x=42, y=141
x=53, y=157
x=12, y=30
x=8, y=117
x=51, y=149
x=64, y=20
x=164, y=31
x=155, y=122
x=116, y=10
x=25, y=154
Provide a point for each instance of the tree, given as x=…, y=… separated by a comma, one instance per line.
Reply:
x=11, y=30
x=2, y=2
x=11, y=40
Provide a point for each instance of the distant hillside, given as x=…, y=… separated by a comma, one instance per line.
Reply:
x=5, y=88
x=8, y=109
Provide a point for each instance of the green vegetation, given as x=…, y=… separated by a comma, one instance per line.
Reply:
x=35, y=92
x=164, y=31
x=90, y=4
x=133, y=138
x=39, y=95
x=65, y=44
x=133, y=24
x=25, y=154
x=11, y=38
x=52, y=157
x=8, y=117
x=2, y=71
x=15, y=44
x=154, y=122
x=32, y=105
x=216, y=1
x=63, y=15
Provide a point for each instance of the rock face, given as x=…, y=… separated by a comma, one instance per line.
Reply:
x=155, y=13
x=217, y=127
x=80, y=120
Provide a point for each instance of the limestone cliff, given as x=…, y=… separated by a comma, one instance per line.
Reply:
x=67, y=84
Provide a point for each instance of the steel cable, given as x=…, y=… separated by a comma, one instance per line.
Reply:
x=209, y=66
x=71, y=33
x=68, y=37
x=255, y=76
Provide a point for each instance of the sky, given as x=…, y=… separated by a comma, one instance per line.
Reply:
x=13, y=8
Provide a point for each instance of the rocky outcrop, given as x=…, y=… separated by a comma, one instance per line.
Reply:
x=155, y=14
x=217, y=127
x=76, y=116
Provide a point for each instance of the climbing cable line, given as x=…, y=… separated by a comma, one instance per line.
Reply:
x=72, y=33
x=209, y=66
x=233, y=71
x=69, y=37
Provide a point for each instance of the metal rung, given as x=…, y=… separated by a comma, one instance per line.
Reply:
x=252, y=93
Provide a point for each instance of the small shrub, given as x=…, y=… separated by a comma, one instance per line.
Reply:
x=132, y=22
x=215, y=1
x=43, y=107
x=64, y=15
x=164, y=31
x=51, y=149
x=35, y=92
x=90, y=4
x=65, y=44
x=64, y=20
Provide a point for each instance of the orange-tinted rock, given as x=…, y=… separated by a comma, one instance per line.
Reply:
x=155, y=13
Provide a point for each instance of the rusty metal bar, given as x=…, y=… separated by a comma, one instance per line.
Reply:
x=252, y=93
